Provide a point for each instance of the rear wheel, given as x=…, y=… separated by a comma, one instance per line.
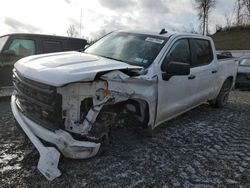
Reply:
x=222, y=99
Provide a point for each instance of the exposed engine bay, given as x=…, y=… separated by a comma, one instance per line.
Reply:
x=114, y=99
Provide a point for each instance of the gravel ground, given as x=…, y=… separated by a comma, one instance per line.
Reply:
x=205, y=147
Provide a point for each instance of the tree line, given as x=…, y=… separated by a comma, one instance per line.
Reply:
x=239, y=16
x=242, y=16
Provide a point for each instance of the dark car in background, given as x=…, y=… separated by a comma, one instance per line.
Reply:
x=243, y=75
x=16, y=46
x=224, y=55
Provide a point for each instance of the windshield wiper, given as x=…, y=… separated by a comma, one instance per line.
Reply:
x=115, y=59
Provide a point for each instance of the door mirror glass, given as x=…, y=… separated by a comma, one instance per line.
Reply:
x=174, y=68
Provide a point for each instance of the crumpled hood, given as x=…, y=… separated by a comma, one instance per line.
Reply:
x=58, y=69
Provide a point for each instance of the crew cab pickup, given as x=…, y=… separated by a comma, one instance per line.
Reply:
x=71, y=99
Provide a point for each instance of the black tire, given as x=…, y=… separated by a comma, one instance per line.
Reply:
x=222, y=99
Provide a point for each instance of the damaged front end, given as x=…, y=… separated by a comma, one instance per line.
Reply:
x=90, y=109
x=76, y=118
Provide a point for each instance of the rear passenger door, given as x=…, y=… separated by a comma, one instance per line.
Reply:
x=203, y=69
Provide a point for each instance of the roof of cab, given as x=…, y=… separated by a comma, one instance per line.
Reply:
x=167, y=34
x=148, y=32
x=40, y=36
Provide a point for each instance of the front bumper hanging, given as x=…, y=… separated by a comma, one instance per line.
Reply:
x=65, y=143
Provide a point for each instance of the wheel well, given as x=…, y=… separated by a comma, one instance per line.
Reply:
x=144, y=111
x=230, y=79
x=135, y=107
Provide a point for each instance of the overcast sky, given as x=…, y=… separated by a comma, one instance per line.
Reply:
x=102, y=16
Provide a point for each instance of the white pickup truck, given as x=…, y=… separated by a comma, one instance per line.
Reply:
x=72, y=99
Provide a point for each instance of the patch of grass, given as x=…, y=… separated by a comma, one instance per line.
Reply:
x=236, y=38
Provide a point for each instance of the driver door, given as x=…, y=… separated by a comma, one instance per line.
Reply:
x=175, y=95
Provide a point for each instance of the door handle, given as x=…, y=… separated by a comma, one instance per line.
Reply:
x=214, y=71
x=191, y=77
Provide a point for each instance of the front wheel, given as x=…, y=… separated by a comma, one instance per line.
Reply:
x=222, y=99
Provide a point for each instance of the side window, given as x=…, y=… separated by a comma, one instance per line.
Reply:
x=50, y=46
x=202, y=52
x=179, y=52
x=23, y=47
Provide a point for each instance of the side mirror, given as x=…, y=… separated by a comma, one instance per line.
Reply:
x=175, y=69
x=9, y=53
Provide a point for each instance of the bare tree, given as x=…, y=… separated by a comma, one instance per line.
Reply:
x=239, y=16
x=246, y=4
x=204, y=8
x=229, y=20
x=72, y=32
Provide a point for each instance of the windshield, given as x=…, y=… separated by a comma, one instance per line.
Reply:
x=2, y=42
x=131, y=48
x=245, y=62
